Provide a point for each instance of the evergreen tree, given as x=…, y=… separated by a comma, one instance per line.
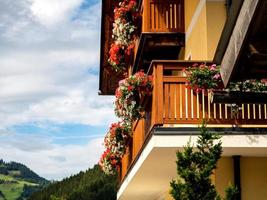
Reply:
x=195, y=167
x=231, y=193
x=92, y=184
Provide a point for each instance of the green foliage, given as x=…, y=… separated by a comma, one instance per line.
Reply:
x=252, y=85
x=231, y=193
x=90, y=185
x=195, y=168
x=28, y=190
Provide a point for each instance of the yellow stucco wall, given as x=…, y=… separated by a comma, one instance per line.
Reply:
x=254, y=178
x=196, y=42
x=190, y=8
x=216, y=16
x=203, y=36
x=224, y=174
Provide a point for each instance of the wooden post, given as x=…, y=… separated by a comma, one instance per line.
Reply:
x=181, y=17
x=237, y=179
x=154, y=95
x=159, y=97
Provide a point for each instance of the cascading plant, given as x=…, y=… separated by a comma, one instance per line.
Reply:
x=123, y=34
x=117, y=138
x=127, y=103
x=109, y=163
x=128, y=108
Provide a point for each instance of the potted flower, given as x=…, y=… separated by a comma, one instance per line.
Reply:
x=204, y=77
x=247, y=91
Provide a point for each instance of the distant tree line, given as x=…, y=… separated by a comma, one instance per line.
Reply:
x=24, y=172
x=92, y=184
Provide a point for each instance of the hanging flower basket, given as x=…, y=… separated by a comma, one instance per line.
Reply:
x=128, y=96
x=123, y=34
x=109, y=163
x=117, y=138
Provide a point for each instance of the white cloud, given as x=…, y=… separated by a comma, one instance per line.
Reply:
x=54, y=11
x=51, y=161
x=46, y=71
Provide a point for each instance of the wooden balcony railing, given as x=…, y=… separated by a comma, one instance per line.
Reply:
x=163, y=16
x=162, y=33
x=172, y=103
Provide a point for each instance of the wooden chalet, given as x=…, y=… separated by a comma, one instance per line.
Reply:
x=173, y=35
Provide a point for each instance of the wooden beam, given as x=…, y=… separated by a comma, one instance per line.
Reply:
x=237, y=39
x=237, y=175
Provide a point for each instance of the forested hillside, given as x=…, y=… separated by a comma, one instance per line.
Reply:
x=92, y=184
x=18, y=182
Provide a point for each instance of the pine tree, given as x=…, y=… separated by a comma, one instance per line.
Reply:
x=195, y=167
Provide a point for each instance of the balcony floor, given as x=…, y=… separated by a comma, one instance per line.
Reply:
x=155, y=167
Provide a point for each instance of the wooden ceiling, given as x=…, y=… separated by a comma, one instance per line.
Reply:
x=253, y=57
x=108, y=81
x=157, y=46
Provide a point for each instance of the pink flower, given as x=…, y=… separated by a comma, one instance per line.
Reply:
x=122, y=82
x=216, y=76
x=198, y=90
x=213, y=67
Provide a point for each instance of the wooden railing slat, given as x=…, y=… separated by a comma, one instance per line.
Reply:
x=166, y=101
x=172, y=101
x=189, y=103
x=163, y=16
x=177, y=92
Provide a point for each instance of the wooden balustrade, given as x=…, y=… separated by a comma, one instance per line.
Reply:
x=172, y=102
x=138, y=138
x=181, y=105
x=163, y=16
x=126, y=161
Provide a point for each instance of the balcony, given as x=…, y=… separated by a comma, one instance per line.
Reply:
x=174, y=109
x=162, y=33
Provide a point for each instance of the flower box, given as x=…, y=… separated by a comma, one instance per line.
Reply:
x=238, y=97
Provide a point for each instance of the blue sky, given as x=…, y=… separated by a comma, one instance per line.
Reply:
x=51, y=118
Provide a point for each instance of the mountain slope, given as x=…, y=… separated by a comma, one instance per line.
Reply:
x=92, y=184
x=18, y=182
x=20, y=171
